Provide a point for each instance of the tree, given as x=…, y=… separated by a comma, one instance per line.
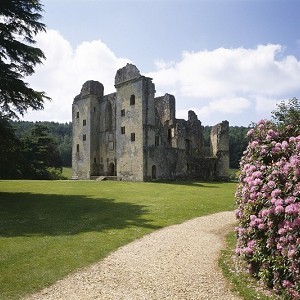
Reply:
x=288, y=115
x=19, y=23
x=41, y=154
x=10, y=154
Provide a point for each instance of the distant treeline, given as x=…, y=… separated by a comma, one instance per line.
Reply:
x=62, y=134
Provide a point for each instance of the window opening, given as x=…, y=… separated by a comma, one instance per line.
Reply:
x=84, y=122
x=169, y=135
x=108, y=117
x=188, y=147
x=132, y=100
x=153, y=172
x=84, y=137
x=133, y=137
x=77, y=115
x=111, y=169
x=77, y=147
x=123, y=130
x=157, y=140
x=123, y=113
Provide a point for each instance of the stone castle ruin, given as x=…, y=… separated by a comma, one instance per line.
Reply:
x=134, y=136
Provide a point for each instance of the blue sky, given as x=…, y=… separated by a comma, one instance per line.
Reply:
x=226, y=60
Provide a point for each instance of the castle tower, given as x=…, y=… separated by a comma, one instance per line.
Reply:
x=134, y=117
x=85, y=119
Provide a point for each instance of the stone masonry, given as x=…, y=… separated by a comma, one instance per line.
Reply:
x=135, y=136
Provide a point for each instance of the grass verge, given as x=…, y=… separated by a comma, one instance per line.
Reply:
x=235, y=272
x=51, y=228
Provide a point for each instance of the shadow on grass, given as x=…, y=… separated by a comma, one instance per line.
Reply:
x=202, y=184
x=24, y=214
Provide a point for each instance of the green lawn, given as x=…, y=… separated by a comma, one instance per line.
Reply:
x=67, y=172
x=50, y=228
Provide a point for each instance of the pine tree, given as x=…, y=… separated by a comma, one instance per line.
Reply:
x=19, y=23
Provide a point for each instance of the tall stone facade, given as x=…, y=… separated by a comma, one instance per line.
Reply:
x=133, y=135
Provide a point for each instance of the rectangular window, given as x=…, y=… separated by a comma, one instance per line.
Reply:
x=84, y=137
x=157, y=140
x=77, y=147
x=95, y=160
x=123, y=130
x=132, y=100
x=188, y=147
x=77, y=115
x=123, y=113
x=169, y=135
x=94, y=108
x=84, y=122
x=133, y=137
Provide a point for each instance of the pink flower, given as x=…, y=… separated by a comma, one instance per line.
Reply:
x=291, y=209
x=272, y=133
x=284, y=145
x=248, y=251
x=271, y=184
x=286, y=283
x=250, y=132
x=254, y=144
x=261, y=226
x=276, y=193
x=265, y=213
x=279, y=209
x=289, y=200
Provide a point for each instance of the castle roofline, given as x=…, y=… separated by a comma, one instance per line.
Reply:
x=127, y=74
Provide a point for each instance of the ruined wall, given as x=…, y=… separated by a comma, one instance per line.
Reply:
x=220, y=148
x=165, y=107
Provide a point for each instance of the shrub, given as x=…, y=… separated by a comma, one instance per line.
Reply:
x=268, y=206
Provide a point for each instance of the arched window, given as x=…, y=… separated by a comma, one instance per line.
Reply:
x=108, y=117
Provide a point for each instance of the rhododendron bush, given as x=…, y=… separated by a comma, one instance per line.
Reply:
x=268, y=206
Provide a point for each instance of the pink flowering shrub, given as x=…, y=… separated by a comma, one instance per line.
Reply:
x=268, y=207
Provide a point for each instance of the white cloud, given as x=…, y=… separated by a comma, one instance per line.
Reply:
x=66, y=69
x=231, y=81
x=234, y=84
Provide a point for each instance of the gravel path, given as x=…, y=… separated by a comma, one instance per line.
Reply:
x=177, y=262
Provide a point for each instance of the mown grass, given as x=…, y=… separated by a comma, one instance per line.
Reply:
x=67, y=172
x=50, y=228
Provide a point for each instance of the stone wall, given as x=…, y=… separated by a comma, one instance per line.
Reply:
x=220, y=148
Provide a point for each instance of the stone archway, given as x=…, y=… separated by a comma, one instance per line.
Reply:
x=111, y=169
